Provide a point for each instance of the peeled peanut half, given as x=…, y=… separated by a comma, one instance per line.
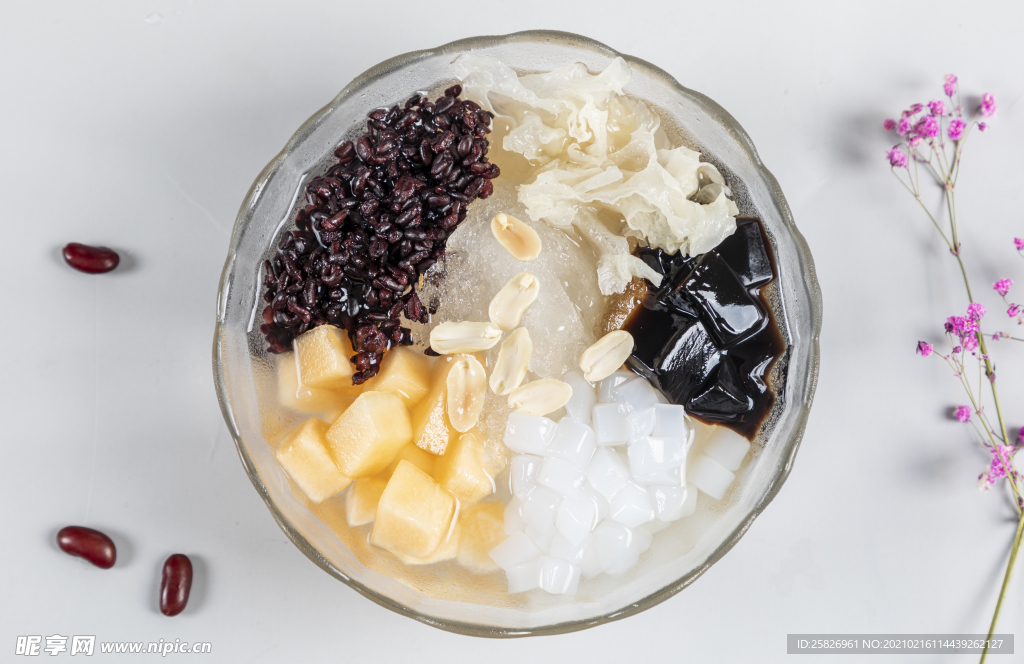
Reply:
x=518, y=239
x=606, y=355
x=467, y=388
x=509, y=305
x=540, y=397
x=464, y=337
x=512, y=363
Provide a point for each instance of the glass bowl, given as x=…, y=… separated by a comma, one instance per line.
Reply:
x=445, y=595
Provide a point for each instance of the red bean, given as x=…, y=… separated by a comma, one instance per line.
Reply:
x=94, y=260
x=175, y=584
x=87, y=543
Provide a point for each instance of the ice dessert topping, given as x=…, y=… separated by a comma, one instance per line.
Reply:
x=374, y=222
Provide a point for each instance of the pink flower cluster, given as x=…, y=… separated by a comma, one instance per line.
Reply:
x=963, y=413
x=1002, y=286
x=928, y=128
x=1002, y=458
x=896, y=158
x=949, y=87
x=988, y=105
x=963, y=330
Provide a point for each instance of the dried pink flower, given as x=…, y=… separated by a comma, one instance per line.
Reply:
x=963, y=413
x=961, y=326
x=914, y=140
x=975, y=310
x=937, y=107
x=1019, y=243
x=927, y=126
x=997, y=470
x=982, y=126
x=1002, y=286
x=913, y=110
x=949, y=87
x=956, y=129
x=924, y=349
x=903, y=126
x=988, y=106
x=889, y=124
x=896, y=157
x=1013, y=311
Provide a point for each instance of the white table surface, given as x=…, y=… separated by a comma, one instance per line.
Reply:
x=141, y=125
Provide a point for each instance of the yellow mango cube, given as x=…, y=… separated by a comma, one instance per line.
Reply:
x=431, y=429
x=361, y=500
x=301, y=398
x=447, y=550
x=414, y=515
x=461, y=469
x=369, y=434
x=422, y=459
x=482, y=528
x=305, y=457
x=322, y=356
x=405, y=371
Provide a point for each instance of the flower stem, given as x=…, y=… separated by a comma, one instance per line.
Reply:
x=1006, y=583
x=989, y=371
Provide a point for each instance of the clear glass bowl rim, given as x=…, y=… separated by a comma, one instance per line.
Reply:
x=363, y=81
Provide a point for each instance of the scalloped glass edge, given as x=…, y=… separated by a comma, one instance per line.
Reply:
x=787, y=457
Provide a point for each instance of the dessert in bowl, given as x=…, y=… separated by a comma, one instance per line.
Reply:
x=517, y=335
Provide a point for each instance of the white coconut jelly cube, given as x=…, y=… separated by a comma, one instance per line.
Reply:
x=542, y=539
x=631, y=505
x=562, y=476
x=583, y=398
x=573, y=441
x=609, y=423
x=524, y=471
x=523, y=577
x=671, y=420
x=709, y=476
x=727, y=447
x=643, y=537
x=516, y=549
x=616, y=546
x=640, y=424
x=539, y=509
x=606, y=387
x=607, y=473
x=590, y=565
x=527, y=434
x=576, y=517
x=599, y=501
x=558, y=577
x=513, y=517
x=636, y=394
x=669, y=501
x=651, y=459
x=563, y=549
